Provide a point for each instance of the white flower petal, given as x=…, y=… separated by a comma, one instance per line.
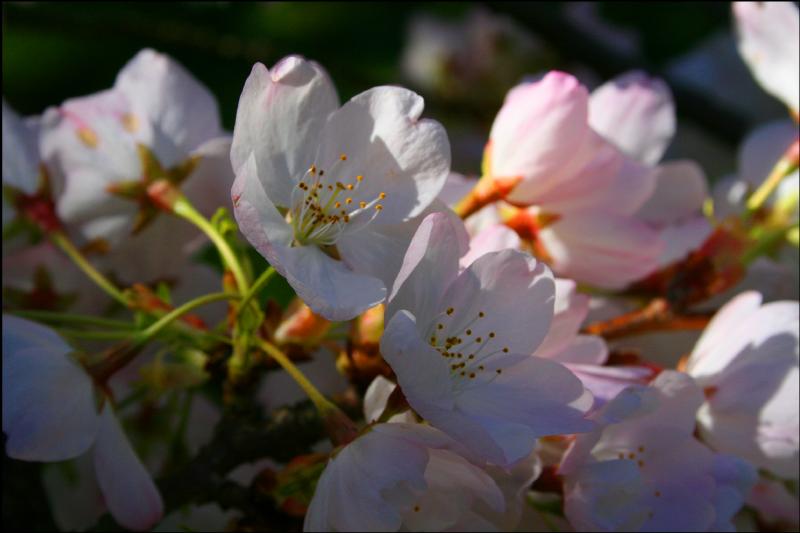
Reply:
x=366, y=486
x=422, y=372
x=493, y=238
x=636, y=113
x=680, y=190
x=326, y=285
x=378, y=250
x=606, y=382
x=279, y=119
x=395, y=151
x=682, y=238
x=429, y=266
x=768, y=36
x=49, y=405
x=208, y=187
x=21, y=152
x=176, y=104
x=603, y=249
x=514, y=292
x=542, y=135
x=583, y=350
x=129, y=491
x=762, y=148
x=570, y=310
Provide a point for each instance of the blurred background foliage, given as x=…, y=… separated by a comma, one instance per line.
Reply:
x=53, y=51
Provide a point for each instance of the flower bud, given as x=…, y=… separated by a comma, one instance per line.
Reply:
x=301, y=326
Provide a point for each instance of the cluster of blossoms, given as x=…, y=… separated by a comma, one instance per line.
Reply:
x=489, y=400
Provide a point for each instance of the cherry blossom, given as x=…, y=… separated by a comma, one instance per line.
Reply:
x=52, y=411
x=768, y=36
x=572, y=183
x=514, y=482
x=747, y=363
x=157, y=122
x=399, y=475
x=320, y=187
x=413, y=477
x=642, y=470
x=460, y=344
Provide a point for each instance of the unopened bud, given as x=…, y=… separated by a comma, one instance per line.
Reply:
x=301, y=326
x=368, y=326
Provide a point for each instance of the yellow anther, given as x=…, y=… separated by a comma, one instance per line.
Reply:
x=349, y=186
x=337, y=205
x=378, y=207
x=88, y=137
x=343, y=157
x=450, y=310
x=362, y=205
x=313, y=169
x=130, y=122
x=348, y=201
x=359, y=177
x=382, y=195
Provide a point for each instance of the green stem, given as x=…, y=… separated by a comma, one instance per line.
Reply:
x=259, y=284
x=95, y=335
x=178, y=312
x=323, y=405
x=766, y=243
x=51, y=316
x=185, y=210
x=782, y=169
x=63, y=242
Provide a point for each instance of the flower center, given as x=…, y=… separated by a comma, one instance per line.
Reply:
x=324, y=206
x=468, y=345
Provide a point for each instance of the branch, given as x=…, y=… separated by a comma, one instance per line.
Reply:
x=656, y=316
